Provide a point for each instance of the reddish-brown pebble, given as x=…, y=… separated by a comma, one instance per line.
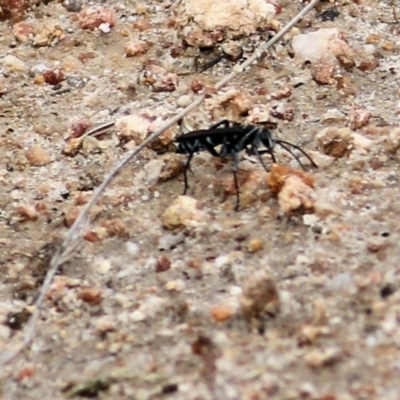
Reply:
x=373, y=38
x=135, y=47
x=78, y=128
x=72, y=147
x=368, y=65
x=388, y=45
x=26, y=372
x=53, y=76
x=348, y=87
x=82, y=198
x=283, y=111
x=23, y=31
x=335, y=142
x=91, y=295
x=37, y=156
x=255, y=245
x=39, y=80
x=92, y=236
x=71, y=216
x=173, y=166
x=359, y=117
x=260, y=297
x=196, y=86
x=221, y=312
x=27, y=211
x=141, y=24
x=376, y=244
x=42, y=208
x=163, y=264
x=323, y=73
x=115, y=227
x=283, y=93
x=92, y=17
x=280, y=173
x=84, y=57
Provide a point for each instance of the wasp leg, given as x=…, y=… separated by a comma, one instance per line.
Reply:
x=235, y=157
x=185, y=169
x=257, y=153
x=207, y=146
x=211, y=63
x=270, y=152
x=190, y=170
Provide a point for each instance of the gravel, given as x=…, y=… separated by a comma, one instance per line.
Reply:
x=294, y=296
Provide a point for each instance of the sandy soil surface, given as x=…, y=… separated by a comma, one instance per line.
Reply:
x=221, y=304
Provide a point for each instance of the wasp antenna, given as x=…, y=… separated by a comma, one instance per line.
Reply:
x=297, y=148
x=292, y=153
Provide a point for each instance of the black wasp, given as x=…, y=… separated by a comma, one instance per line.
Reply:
x=232, y=139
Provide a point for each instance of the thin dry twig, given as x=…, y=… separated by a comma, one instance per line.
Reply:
x=394, y=9
x=72, y=240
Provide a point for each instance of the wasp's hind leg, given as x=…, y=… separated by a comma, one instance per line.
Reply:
x=235, y=158
x=186, y=167
x=257, y=153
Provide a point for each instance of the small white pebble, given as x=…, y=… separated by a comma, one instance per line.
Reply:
x=361, y=143
x=16, y=195
x=335, y=321
x=221, y=261
x=105, y=28
x=310, y=219
x=5, y=333
x=371, y=341
x=308, y=389
x=183, y=211
x=369, y=49
x=123, y=317
x=342, y=282
x=122, y=299
x=137, y=316
x=333, y=115
x=177, y=285
x=235, y=290
x=103, y=266
x=115, y=347
x=14, y=64
x=133, y=248
x=302, y=259
x=105, y=323
x=38, y=69
x=389, y=325
x=184, y=100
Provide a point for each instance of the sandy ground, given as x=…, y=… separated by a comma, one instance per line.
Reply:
x=232, y=305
